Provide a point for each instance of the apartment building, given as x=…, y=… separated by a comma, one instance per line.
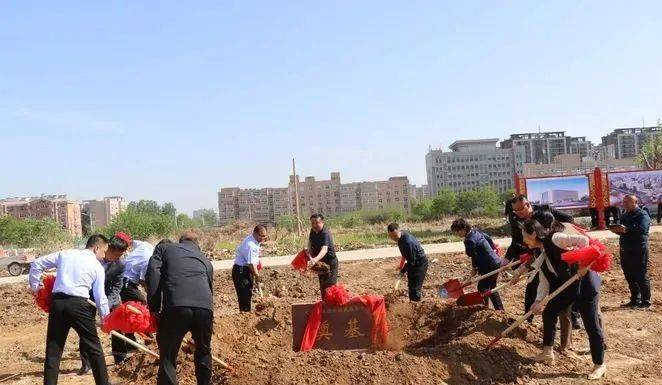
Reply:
x=66, y=212
x=472, y=164
x=99, y=213
x=543, y=147
x=254, y=205
x=627, y=142
x=419, y=192
x=329, y=197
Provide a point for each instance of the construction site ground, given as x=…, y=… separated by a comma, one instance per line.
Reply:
x=432, y=342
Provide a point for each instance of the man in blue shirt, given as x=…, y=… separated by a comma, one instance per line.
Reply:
x=245, y=269
x=633, y=232
x=417, y=262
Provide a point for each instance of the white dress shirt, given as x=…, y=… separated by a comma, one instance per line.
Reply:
x=78, y=272
x=135, y=264
x=248, y=253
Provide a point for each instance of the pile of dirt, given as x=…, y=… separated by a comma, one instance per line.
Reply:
x=428, y=341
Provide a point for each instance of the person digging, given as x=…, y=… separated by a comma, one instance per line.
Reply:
x=416, y=265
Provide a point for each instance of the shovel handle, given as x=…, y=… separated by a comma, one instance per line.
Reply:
x=506, y=284
x=124, y=338
x=493, y=272
x=545, y=300
x=214, y=358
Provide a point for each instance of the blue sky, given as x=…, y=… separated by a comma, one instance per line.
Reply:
x=170, y=100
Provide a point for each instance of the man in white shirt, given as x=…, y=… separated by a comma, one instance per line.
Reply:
x=135, y=266
x=78, y=272
x=245, y=268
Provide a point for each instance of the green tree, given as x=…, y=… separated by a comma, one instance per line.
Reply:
x=483, y=200
x=445, y=203
x=286, y=222
x=43, y=234
x=168, y=209
x=185, y=222
x=422, y=209
x=650, y=156
x=208, y=217
x=145, y=206
x=141, y=224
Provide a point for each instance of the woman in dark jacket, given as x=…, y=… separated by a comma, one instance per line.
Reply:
x=553, y=239
x=484, y=259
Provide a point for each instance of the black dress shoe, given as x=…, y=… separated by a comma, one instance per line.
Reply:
x=83, y=370
x=644, y=306
x=631, y=304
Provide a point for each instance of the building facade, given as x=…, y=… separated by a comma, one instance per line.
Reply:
x=627, y=142
x=472, y=164
x=543, y=147
x=573, y=164
x=329, y=197
x=59, y=208
x=100, y=213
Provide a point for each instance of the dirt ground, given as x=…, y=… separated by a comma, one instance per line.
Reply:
x=433, y=342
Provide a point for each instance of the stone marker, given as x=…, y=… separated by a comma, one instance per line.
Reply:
x=342, y=328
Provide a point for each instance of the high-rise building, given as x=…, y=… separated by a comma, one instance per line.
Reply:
x=543, y=147
x=419, y=192
x=472, y=164
x=56, y=207
x=627, y=142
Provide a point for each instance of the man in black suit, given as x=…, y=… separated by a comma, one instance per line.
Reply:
x=179, y=282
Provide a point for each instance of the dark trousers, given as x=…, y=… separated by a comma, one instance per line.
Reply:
x=415, y=277
x=659, y=213
x=243, y=284
x=73, y=312
x=530, y=295
x=489, y=284
x=329, y=279
x=590, y=312
x=175, y=322
x=636, y=274
x=555, y=307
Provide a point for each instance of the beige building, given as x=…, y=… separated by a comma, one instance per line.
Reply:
x=59, y=208
x=572, y=164
x=329, y=197
x=263, y=205
x=99, y=213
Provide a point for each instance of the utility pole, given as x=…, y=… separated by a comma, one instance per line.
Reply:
x=296, y=197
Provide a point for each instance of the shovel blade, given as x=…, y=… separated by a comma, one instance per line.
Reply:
x=454, y=294
x=470, y=299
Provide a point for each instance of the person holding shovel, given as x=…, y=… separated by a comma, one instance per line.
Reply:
x=522, y=211
x=321, y=249
x=416, y=265
x=245, y=269
x=78, y=273
x=550, y=236
x=484, y=259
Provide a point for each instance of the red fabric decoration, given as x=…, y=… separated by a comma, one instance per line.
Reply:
x=126, y=320
x=259, y=266
x=338, y=294
x=402, y=263
x=497, y=249
x=125, y=237
x=300, y=261
x=43, y=297
x=595, y=252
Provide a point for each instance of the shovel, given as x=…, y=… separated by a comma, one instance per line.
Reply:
x=544, y=302
x=453, y=288
x=478, y=298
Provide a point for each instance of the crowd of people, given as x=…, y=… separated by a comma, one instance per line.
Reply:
x=177, y=278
